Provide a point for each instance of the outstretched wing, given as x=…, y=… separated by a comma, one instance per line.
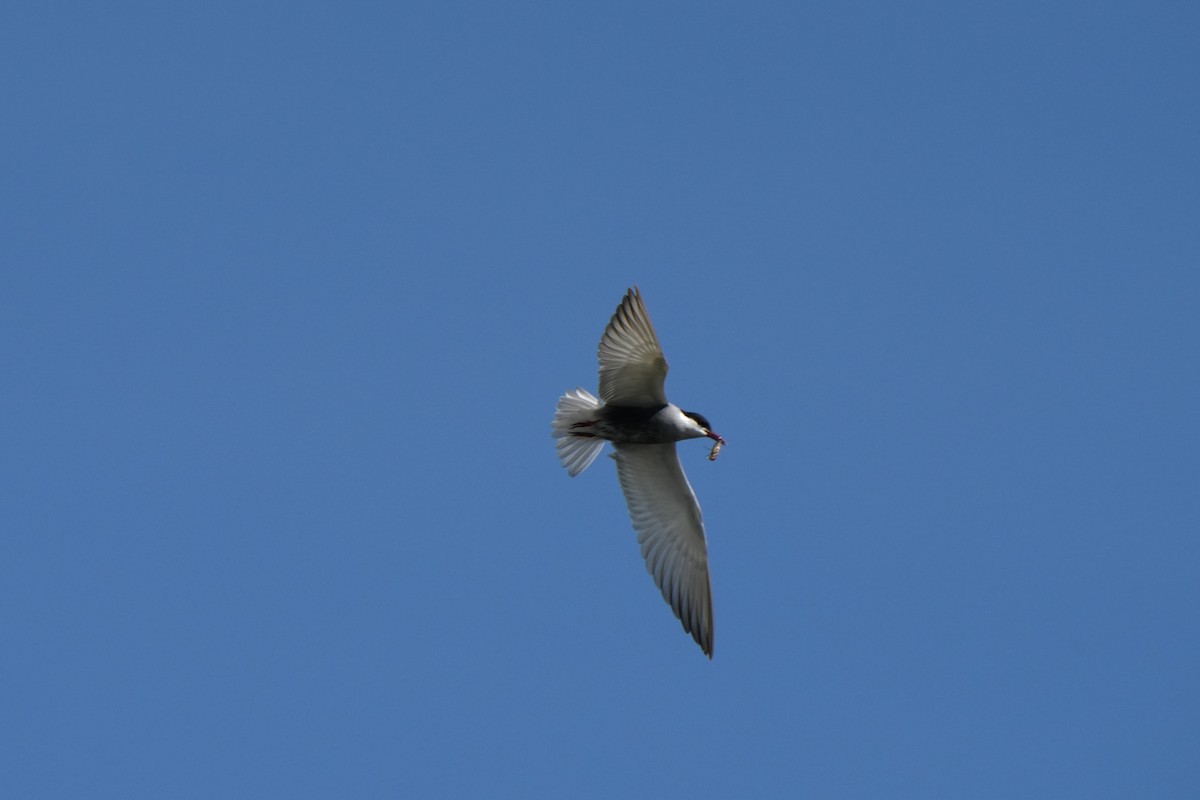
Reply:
x=632, y=367
x=666, y=516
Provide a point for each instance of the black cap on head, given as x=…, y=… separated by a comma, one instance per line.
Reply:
x=699, y=419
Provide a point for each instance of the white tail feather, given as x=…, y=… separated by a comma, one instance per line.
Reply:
x=574, y=451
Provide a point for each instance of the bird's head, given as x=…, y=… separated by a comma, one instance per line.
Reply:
x=702, y=421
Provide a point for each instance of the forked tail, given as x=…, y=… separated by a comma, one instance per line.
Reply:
x=577, y=448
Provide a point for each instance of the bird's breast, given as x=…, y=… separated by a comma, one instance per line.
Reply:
x=636, y=425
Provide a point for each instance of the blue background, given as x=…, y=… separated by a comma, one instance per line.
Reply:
x=288, y=292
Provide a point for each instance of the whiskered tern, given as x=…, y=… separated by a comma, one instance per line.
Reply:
x=632, y=412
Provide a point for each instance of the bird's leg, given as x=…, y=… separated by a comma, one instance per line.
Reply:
x=587, y=424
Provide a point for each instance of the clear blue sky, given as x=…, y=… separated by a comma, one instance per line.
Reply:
x=287, y=295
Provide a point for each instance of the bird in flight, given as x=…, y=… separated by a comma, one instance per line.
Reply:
x=632, y=412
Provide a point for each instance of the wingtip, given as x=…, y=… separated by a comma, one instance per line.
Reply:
x=705, y=640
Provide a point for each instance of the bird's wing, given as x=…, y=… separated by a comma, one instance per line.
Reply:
x=632, y=367
x=666, y=516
